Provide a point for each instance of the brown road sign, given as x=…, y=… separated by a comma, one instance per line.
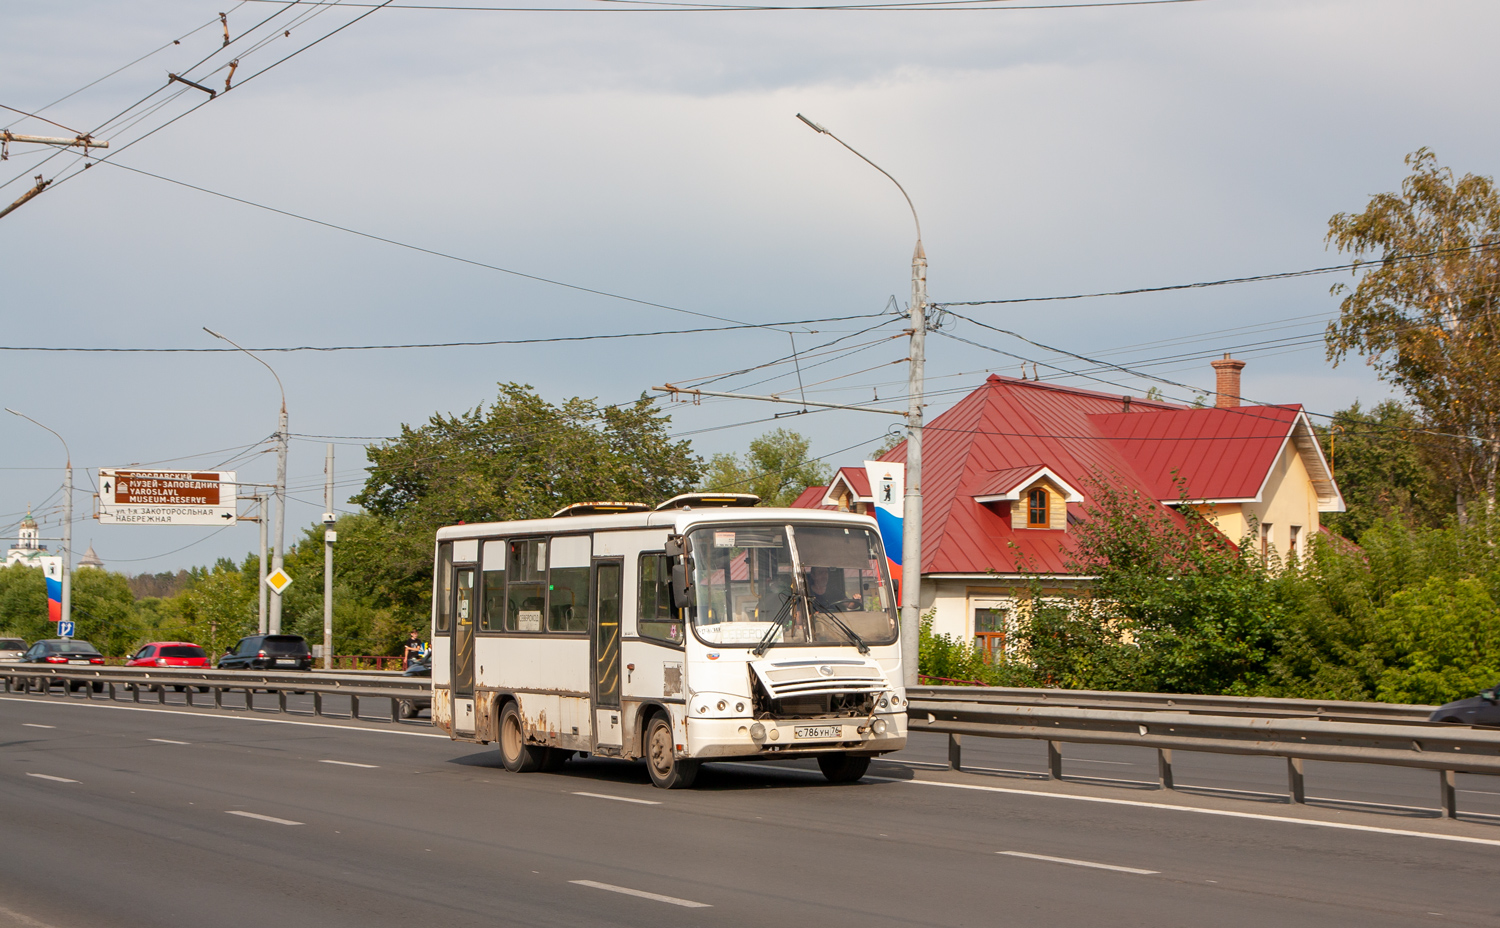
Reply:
x=166, y=497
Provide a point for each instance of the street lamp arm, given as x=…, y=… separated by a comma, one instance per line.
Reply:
x=34, y=422
x=257, y=358
x=817, y=128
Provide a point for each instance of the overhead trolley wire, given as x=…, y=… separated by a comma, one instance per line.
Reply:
x=649, y=6
x=540, y=340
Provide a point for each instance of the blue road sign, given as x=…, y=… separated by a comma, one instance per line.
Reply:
x=65, y=629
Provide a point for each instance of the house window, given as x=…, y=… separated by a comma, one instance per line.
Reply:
x=1038, y=509
x=1294, y=543
x=989, y=633
x=1265, y=539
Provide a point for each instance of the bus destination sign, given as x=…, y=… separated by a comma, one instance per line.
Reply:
x=166, y=497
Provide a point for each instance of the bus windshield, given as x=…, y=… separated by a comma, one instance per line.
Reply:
x=762, y=585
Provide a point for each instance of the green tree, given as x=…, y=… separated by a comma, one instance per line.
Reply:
x=1424, y=312
x=521, y=457
x=1382, y=469
x=776, y=468
x=1446, y=642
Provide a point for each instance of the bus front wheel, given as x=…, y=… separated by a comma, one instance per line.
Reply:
x=668, y=771
x=515, y=753
x=842, y=768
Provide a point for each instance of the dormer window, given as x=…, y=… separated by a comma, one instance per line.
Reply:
x=1038, y=508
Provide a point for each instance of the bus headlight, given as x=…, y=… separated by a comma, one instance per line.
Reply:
x=757, y=732
x=878, y=727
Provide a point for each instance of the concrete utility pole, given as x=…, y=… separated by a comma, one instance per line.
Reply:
x=911, y=526
x=329, y=537
x=281, y=443
x=67, y=528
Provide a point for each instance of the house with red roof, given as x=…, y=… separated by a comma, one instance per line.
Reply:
x=1007, y=470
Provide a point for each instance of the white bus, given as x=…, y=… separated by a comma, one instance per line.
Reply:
x=707, y=628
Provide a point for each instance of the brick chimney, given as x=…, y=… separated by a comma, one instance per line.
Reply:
x=1228, y=381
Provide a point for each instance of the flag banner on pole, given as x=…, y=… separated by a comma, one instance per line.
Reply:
x=888, y=486
x=52, y=570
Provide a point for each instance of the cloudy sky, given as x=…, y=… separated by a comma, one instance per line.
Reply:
x=655, y=155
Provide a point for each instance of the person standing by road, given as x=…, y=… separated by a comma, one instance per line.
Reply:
x=413, y=649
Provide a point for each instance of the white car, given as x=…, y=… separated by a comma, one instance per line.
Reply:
x=11, y=650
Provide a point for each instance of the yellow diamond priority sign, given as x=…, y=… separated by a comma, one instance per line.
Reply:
x=278, y=581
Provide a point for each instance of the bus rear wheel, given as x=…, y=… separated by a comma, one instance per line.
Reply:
x=842, y=768
x=515, y=753
x=668, y=771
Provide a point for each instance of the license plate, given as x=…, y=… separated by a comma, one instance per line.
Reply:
x=818, y=731
x=78, y=662
x=286, y=663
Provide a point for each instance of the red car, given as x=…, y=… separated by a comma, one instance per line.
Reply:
x=171, y=654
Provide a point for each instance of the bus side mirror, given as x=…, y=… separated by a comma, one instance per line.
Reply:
x=673, y=546
x=682, y=589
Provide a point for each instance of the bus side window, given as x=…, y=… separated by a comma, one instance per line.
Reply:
x=441, y=589
x=526, y=592
x=655, y=618
x=568, y=583
x=493, y=617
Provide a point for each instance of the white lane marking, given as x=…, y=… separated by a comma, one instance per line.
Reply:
x=644, y=802
x=1077, y=863
x=671, y=900
x=48, y=776
x=1085, y=760
x=1224, y=813
x=80, y=703
x=167, y=741
x=264, y=818
x=35, y=725
x=25, y=921
x=348, y=763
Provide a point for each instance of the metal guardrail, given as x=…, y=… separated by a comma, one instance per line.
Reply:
x=133, y=681
x=1296, y=730
x=1217, y=725
x=1244, y=706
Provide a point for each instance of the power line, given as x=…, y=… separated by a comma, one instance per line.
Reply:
x=429, y=251
x=1282, y=275
x=555, y=339
x=649, y=6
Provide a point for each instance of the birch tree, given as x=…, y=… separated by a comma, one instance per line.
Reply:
x=1423, y=312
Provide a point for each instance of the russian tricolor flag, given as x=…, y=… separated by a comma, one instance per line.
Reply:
x=52, y=569
x=888, y=486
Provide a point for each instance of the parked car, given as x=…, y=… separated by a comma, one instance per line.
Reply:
x=170, y=654
x=11, y=649
x=1483, y=709
x=420, y=667
x=268, y=652
x=56, y=651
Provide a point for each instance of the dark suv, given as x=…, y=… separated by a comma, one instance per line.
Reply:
x=268, y=652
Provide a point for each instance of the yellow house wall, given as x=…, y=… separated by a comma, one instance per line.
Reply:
x=1289, y=499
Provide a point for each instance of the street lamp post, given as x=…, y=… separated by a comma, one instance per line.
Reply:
x=67, y=539
x=911, y=525
x=281, y=442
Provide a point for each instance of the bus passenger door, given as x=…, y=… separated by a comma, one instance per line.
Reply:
x=604, y=635
x=463, y=650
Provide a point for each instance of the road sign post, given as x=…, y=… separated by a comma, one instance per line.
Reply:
x=166, y=497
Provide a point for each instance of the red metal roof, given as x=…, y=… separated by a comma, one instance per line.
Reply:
x=1218, y=454
x=811, y=498
x=1008, y=426
x=858, y=480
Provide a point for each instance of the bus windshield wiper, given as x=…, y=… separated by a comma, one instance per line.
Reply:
x=766, y=640
x=843, y=627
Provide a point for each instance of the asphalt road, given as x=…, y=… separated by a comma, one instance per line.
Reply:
x=123, y=816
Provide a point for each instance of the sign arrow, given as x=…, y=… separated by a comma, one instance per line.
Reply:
x=106, y=486
x=227, y=515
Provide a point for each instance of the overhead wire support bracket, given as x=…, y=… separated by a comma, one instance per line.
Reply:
x=676, y=391
x=77, y=141
x=40, y=186
x=182, y=80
